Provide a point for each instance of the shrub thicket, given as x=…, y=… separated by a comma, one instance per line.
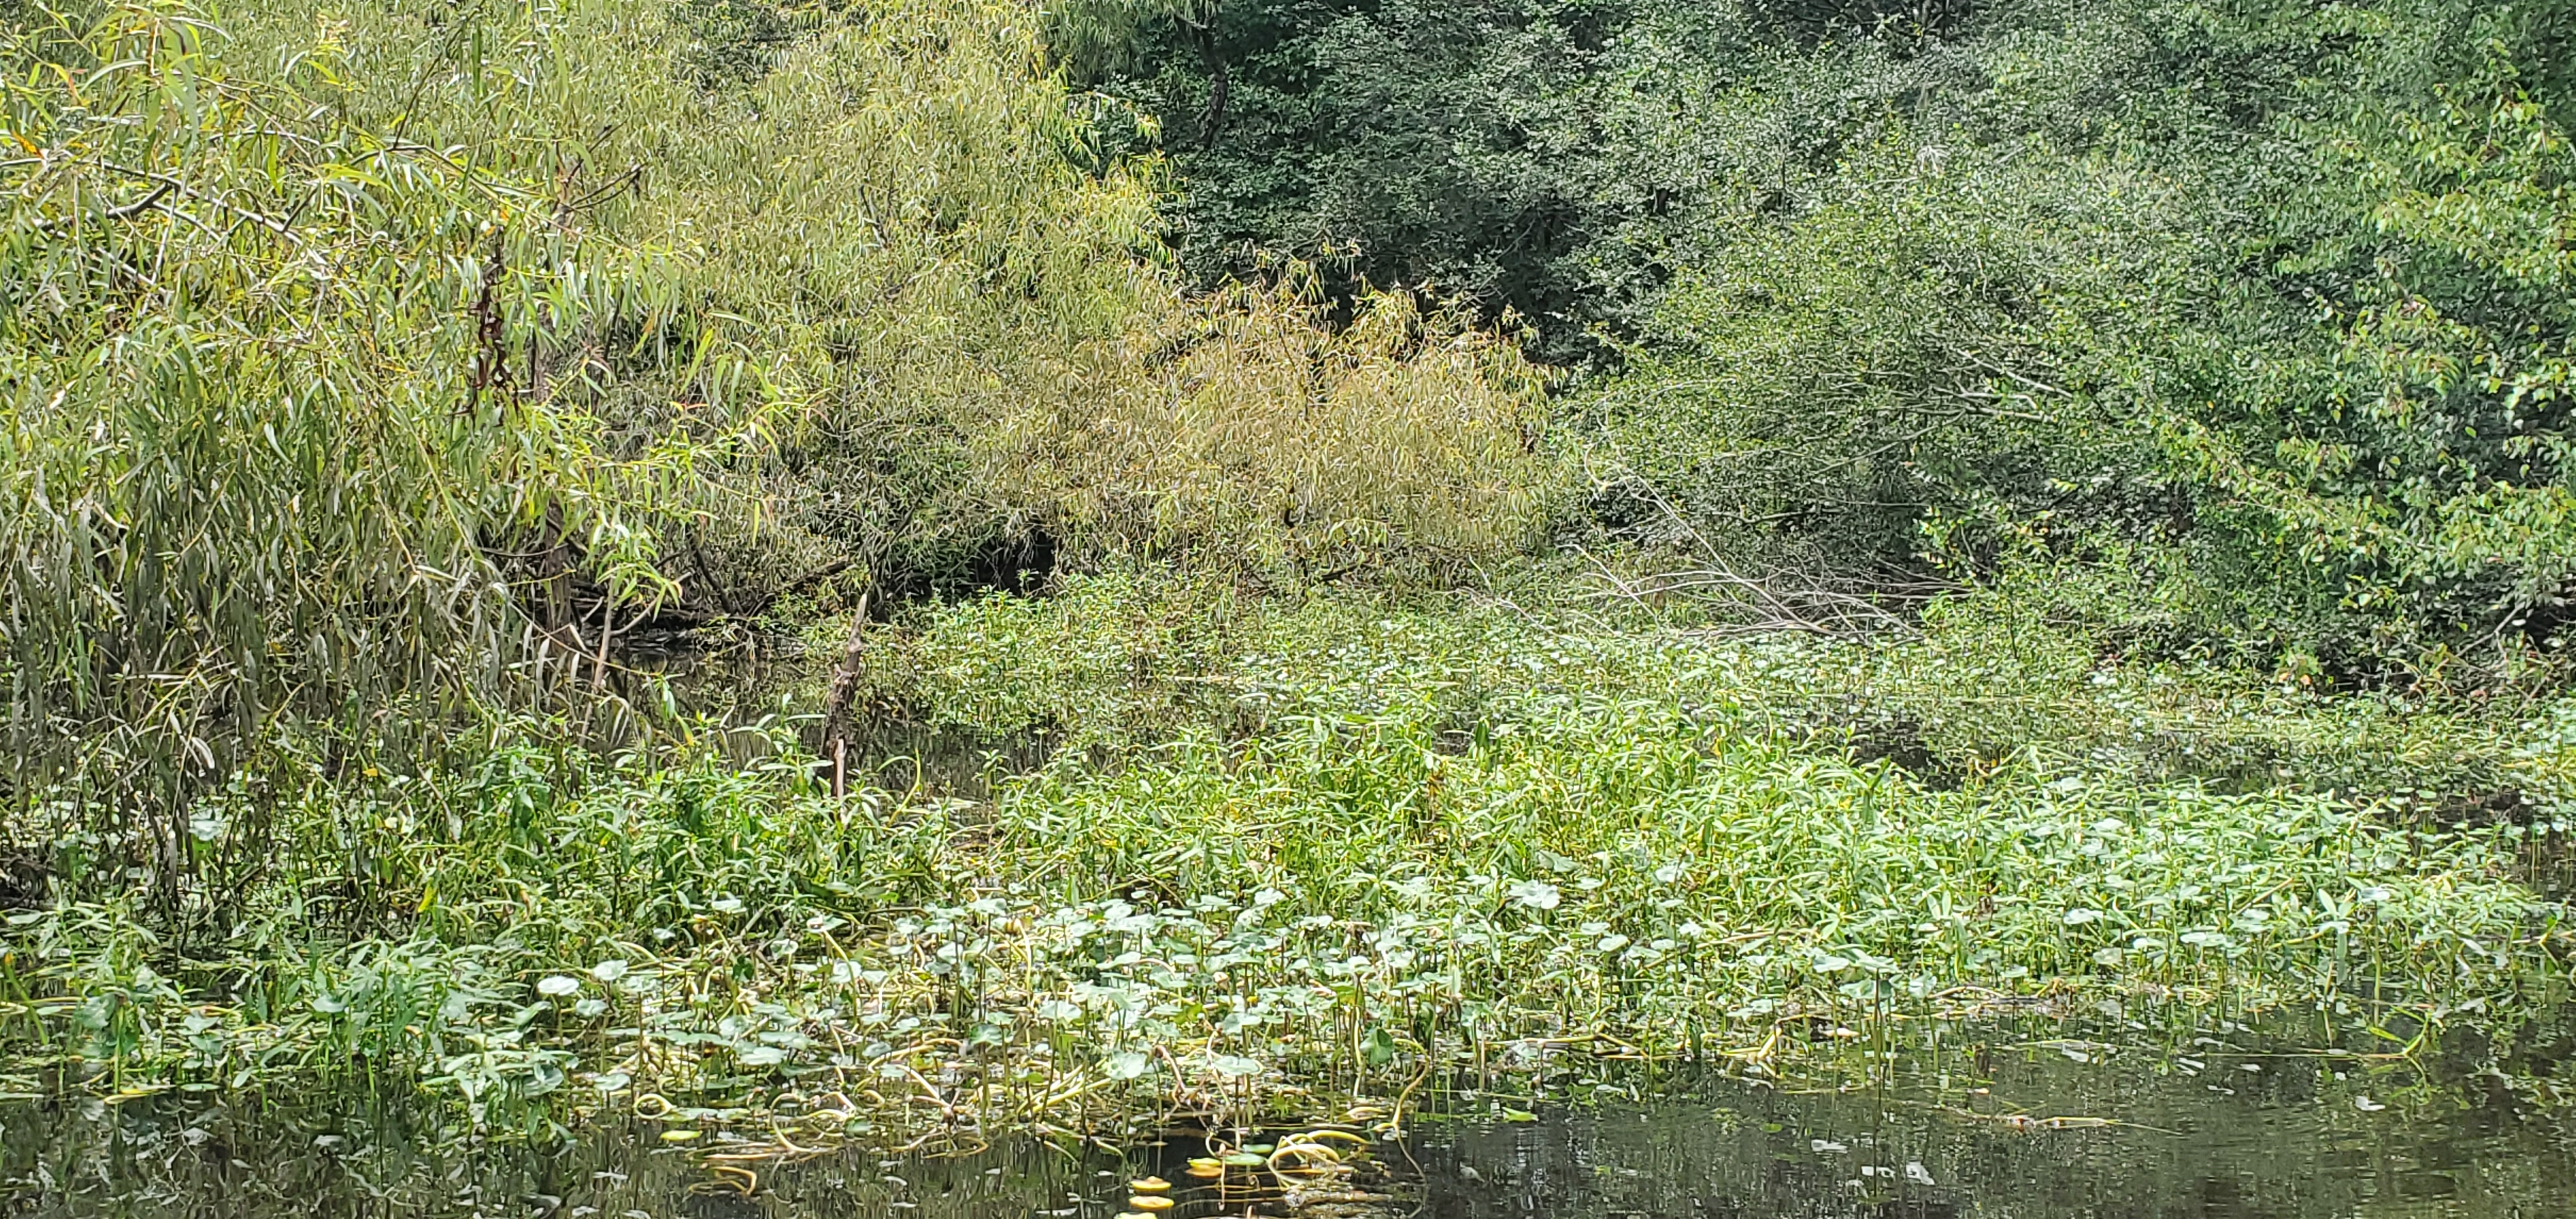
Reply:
x=2260, y=299
x=357, y=361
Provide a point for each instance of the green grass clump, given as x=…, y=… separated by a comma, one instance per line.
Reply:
x=1370, y=843
x=1134, y=655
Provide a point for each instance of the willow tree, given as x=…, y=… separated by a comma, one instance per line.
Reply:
x=264, y=430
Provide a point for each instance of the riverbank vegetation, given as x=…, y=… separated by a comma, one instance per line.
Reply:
x=1648, y=531
x=1391, y=841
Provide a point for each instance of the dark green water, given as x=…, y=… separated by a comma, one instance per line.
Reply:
x=2199, y=1130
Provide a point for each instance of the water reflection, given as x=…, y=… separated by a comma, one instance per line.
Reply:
x=2031, y=1132
x=2043, y=1123
x=174, y=1159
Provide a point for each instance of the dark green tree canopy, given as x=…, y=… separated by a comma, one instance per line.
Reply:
x=2265, y=296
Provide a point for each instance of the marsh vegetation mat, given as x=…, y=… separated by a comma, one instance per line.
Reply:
x=2042, y=1119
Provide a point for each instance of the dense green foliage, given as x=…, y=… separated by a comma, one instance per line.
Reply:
x=253, y=465
x=1539, y=522
x=1454, y=837
x=359, y=365
x=2263, y=301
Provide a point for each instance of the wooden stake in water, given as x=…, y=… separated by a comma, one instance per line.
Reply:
x=836, y=700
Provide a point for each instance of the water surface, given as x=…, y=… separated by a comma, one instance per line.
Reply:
x=2039, y=1122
